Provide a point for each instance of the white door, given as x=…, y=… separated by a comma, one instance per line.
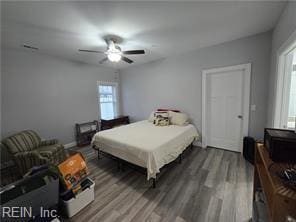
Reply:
x=224, y=109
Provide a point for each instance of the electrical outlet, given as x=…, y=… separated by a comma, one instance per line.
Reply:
x=253, y=107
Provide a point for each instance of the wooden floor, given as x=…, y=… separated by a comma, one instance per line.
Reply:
x=209, y=185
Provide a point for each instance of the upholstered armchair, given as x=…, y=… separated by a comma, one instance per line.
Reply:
x=28, y=150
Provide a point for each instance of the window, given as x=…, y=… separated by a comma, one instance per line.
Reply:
x=292, y=97
x=107, y=100
x=286, y=104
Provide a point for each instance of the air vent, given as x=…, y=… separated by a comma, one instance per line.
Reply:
x=30, y=47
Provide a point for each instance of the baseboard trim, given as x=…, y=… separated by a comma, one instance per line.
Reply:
x=197, y=143
x=70, y=145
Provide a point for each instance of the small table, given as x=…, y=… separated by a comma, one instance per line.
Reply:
x=281, y=200
x=116, y=121
x=85, y=132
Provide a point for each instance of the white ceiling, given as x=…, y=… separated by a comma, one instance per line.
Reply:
x=161, y=28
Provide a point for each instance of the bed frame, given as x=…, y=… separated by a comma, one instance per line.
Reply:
x=121, y=163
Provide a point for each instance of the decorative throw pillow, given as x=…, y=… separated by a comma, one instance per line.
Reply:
x=161, y=119
x=180, y=119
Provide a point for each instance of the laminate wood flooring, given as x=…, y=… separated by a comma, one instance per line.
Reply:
x=209, y=185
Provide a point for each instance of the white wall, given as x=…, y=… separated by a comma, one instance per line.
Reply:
x=176, y=83
x=284, y=28
x=48, y=94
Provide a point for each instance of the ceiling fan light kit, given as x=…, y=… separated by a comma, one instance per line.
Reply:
x=113, y=57
x=114, y=52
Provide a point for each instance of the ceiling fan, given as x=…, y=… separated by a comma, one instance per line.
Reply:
x=114, y=52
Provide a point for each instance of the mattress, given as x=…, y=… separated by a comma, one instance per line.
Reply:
x=146, y=145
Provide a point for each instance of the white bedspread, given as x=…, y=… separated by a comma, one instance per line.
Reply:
x=145, y=144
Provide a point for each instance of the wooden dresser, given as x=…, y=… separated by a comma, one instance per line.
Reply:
x=281, y=201
x=116, y=121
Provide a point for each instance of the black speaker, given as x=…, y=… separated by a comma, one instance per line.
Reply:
x=249, y=149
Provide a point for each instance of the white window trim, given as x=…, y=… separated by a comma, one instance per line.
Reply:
x=279, y=109
x=116, y=92
x=246, y=98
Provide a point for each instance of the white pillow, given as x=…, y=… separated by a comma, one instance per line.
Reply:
x=151, y=117
x=180, y=119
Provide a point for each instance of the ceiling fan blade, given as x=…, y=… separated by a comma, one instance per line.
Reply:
x=103, y=60
x=133, y=52
x=127, y=60
x=85, y=50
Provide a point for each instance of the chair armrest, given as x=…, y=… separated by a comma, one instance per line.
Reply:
x=26, y=160
x=49, y=142
x=31, y=155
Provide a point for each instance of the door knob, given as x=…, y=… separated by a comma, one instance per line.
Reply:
x=240, y=116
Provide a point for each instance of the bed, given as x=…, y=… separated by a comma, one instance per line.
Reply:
x=146, y=145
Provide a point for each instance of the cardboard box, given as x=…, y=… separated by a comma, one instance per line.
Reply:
x=73, y=170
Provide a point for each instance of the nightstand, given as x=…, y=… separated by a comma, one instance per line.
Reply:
x=85, y=132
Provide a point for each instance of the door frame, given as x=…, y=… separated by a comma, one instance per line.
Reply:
x=246, y=98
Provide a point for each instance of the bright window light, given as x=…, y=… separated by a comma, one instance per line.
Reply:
x=107, y=100
x=292, y=97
